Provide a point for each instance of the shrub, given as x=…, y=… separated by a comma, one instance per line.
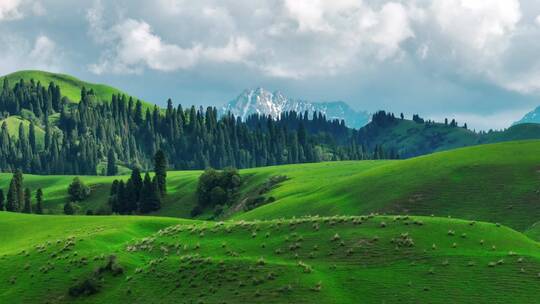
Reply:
x=69, y=208
x=78, y=191
x=86, y=287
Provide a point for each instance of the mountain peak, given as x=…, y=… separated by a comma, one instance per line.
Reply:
x=264, y=102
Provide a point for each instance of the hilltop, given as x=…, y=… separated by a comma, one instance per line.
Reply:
x=306, y=260
x=70, y=86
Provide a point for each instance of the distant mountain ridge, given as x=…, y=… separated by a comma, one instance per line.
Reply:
x=261, y=101
x=531, y=117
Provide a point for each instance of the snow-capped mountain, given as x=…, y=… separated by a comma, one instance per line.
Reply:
x=261, y=101
x=531, y=117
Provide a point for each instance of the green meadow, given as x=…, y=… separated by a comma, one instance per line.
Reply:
x=452, y=227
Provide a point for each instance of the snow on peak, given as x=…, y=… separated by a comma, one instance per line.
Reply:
x=262, y=101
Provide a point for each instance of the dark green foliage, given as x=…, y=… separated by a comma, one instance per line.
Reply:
x=160, y=169
x=12, y=204
x=27, y=201
x=125, y=198
x=112, y=168
x=77, y=190
x=216, y=188
x=2, y=200
x=90, y=132
x=150, y=198
x=15, y=196
x=91, y=285
x=69, y=208
x=85, y=287
x=18, y=178
x=39, y=201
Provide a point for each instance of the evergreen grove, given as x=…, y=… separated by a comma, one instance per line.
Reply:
x=65, y=137
x=19, y=199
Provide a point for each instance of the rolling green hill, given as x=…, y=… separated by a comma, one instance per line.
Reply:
x=496, y=183
x=410, y=139
x=69, y=85
x=323, y=260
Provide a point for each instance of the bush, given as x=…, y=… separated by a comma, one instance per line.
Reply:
x=78, y=191
x=86, y=287
x=69, y=208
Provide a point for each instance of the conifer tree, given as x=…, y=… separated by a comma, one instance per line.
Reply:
x=160, y=169
x=39, y=201
x=150, y=199
x=69, y=208
x=27, y=201
x=12, y=204
x=2, y=200
x=77, y=190
x=137, y=182
x=112, y=169
x=18, y=177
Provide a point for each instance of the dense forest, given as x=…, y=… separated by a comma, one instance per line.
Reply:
x=76, y=137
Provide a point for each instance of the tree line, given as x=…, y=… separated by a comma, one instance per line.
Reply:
x=64, y=137
x=137, y=194
x=19, y=198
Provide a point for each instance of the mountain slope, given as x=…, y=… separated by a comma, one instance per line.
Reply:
x=261, y=101
x=497, y=183
x=308, y=260
x=531, y=117
x=413, y=138
x=69, y=85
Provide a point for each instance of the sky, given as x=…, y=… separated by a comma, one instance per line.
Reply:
x=473, y=60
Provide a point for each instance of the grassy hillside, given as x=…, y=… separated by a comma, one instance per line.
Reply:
x=69, y=85
x=496, y=183
x=410, y=139
x=323, y=260
x=13, y=123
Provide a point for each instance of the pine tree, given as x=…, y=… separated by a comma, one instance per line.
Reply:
x=32, y=137
x=39, y=201
x=112, y=169
x=77, y=190
x=27, y=201
x=160, y=169
x=12, y=204
x=69, y=208
x=18, y=177
x=150, y=198
x=137, y=183
x=2, y=200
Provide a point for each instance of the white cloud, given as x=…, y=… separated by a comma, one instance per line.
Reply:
x=299, y=39
x=41, y=54
x=9, y=9
x=135, y=46
x=16, y=9
x=477, y=24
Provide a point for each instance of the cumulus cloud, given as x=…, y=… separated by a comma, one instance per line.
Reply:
x=136, y=46
x=9, y=9
x=285, y=39
x=19, y=53
x=16, y=9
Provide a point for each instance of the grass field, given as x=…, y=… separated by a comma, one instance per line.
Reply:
x=277, y=253
x=69, y=85
x=495, y=183
x=323, y=260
